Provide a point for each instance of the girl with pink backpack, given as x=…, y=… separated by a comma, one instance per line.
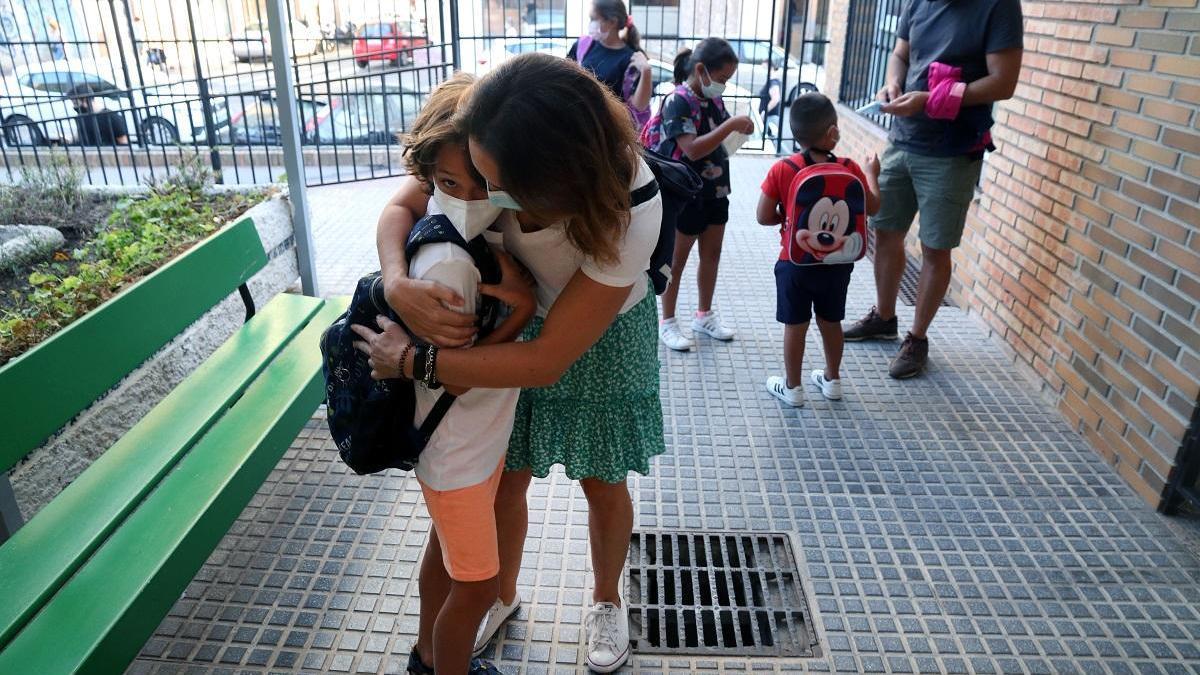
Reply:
x=612, y=51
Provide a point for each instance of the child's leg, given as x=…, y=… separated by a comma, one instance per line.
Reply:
x=434, y=586
x=711, y=242
x=512, y=526
x=683, y=248
x=454, y=632
x=831, y=338
x=793, y=353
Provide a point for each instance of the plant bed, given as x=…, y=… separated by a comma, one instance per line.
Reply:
x=111, y=243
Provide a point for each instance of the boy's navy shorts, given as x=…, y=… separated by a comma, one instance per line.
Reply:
x=802, y=290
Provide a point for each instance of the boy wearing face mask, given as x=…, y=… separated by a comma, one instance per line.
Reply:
x=691, y=126
x=460, y=468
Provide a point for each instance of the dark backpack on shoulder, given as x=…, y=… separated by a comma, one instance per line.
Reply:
x=372, y=421
x=679, y=186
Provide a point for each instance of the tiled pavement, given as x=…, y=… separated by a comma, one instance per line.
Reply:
x=951, y=523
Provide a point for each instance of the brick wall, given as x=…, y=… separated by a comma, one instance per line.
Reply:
x=1082, y=249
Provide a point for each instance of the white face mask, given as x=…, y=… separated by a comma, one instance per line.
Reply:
x=594, y=30
x=712, y=89
x=470, y=217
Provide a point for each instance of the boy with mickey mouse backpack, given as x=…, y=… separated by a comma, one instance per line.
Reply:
x=821, y=203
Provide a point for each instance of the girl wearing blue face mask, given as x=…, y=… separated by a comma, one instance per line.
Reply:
x=691, y=126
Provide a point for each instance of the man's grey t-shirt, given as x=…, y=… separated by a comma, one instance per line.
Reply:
x=957, y=33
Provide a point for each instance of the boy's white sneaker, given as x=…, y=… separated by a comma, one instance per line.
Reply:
x=668, y=332
x=793, y=396
x=492, y=621
x=607, y=628
x=711, y=326
x=830, y=389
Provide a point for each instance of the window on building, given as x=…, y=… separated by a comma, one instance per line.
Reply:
x=869, y=41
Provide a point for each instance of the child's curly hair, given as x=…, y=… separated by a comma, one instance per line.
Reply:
x=435, y=126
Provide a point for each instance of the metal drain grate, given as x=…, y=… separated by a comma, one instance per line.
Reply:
x=727, y=593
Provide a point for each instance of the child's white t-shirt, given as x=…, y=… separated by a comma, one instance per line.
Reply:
x=472, y=438
x=553, y=260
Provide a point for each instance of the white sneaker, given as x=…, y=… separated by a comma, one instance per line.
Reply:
x=668, y=332
x=711, y=326
x=793, y=396
x=492, y=621
x=607, y=627
x=830, y=389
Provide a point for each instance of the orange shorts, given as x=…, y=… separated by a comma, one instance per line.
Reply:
x=465, y=520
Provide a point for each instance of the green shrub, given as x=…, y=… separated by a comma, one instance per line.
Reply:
x=50, y=194
x=138, y=237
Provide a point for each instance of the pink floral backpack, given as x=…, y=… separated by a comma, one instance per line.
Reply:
x=652, y=136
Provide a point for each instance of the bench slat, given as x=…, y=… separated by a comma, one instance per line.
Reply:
x=100, y=619
x=47, y=550
x=47, y=386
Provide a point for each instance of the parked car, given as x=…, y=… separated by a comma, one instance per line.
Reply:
x=503, y=49
x=391, y=41
x=254, y=42
x=356, y=118
x=35, y=109
x=545, y=23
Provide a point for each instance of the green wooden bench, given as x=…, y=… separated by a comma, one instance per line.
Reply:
x=86, y=581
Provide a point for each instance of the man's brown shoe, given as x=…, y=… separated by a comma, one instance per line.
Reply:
x=872, y=327
x=911, y=360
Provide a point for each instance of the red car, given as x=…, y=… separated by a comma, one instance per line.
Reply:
x=391, y=41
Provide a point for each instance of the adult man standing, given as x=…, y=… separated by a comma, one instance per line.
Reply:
x=952, y=60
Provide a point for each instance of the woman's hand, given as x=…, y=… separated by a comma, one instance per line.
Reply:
x=516, y=284
x=384, y=349
x=424, y=306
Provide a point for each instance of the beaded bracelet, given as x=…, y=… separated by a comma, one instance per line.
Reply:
x=404, y=358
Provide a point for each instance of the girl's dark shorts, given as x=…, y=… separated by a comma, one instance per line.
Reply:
x=700, y=214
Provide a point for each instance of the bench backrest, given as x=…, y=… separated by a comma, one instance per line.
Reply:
x=46, y=387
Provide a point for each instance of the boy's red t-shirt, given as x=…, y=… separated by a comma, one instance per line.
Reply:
x=779, y=179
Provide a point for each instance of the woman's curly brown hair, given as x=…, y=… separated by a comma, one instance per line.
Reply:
x=435, y=126
x=564, y=144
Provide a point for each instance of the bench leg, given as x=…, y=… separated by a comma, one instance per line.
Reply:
x=10, y=513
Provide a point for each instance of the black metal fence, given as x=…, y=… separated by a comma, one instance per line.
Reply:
x=870, y=38
x=128, y=88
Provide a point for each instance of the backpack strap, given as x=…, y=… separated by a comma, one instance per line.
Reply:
x=440, y=408
x=437, y=229
x=789, y=162
x=643, y=194
x=582, y=46
x=808, y=160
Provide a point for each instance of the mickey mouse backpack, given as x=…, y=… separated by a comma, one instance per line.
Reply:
x=825, y=207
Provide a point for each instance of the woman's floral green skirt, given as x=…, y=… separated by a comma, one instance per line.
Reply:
x=604, y=418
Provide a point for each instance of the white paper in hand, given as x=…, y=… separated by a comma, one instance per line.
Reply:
x=734, y=141
x=872, y=108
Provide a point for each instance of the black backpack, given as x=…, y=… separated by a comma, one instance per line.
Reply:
x=372, y=421
x=679, y=186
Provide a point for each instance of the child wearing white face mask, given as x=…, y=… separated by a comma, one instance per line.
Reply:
x=691, y=126
x=460, y=468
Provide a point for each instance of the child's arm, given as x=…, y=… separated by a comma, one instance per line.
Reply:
x=515, y=290
x=422, y=304
x=769, y=210
x=872, y=175
x=698, y=147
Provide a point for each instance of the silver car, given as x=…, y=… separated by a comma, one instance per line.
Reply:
x=35, y=108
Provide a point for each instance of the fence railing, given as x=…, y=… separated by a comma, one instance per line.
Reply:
x=870, y=38
x=195, y=76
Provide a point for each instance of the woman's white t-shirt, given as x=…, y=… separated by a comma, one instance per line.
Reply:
x=553, y=259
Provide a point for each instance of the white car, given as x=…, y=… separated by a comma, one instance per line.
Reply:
x=503, y=49
x=35, y=109
x=254, y=42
